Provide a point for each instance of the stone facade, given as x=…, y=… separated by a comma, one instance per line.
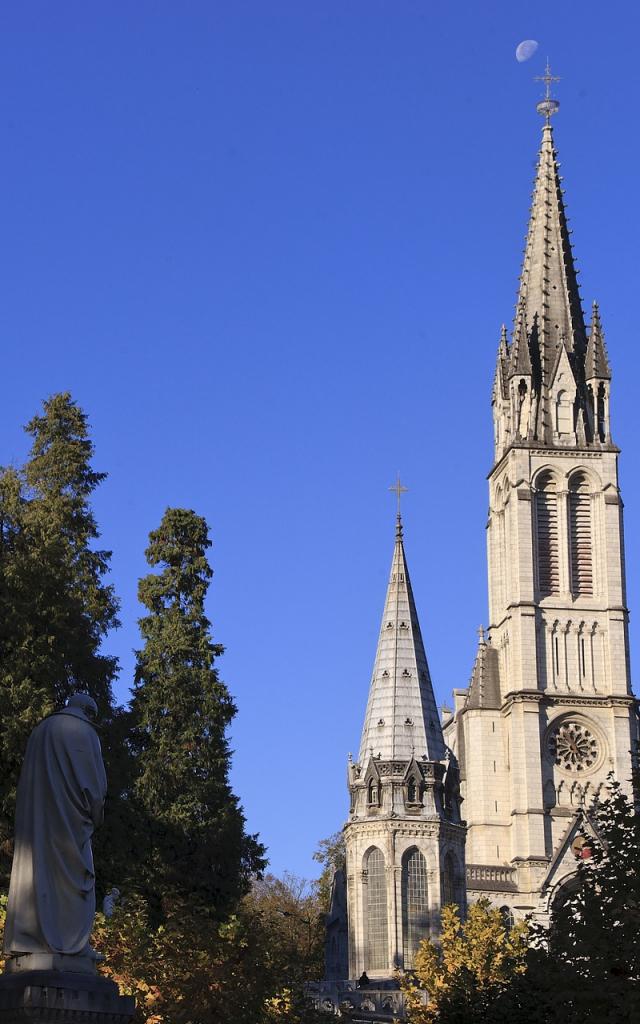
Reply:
x=549, y=711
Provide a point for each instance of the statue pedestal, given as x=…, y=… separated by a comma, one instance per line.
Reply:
x=62, y=997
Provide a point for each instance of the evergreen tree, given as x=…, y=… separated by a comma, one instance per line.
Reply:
x=197, y=849
x=55, y=608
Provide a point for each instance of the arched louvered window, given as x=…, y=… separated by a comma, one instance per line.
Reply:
x=449, y=887
x=580, y=539
x=415, y=904
x=546, y=528
x=377, y=958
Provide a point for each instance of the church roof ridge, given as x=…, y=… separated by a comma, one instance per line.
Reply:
x=402, y=717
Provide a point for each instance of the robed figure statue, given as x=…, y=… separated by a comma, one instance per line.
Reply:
x=60, y=802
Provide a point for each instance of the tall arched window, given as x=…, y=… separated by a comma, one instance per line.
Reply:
x=449, y=880
x=415, y=904
x=580, y=539
x=546, y=528
x=376, y=903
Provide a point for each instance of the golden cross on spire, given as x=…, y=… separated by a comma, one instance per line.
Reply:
x=548, y=105
x=400, y=490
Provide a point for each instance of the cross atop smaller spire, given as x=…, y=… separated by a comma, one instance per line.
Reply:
x=400, y=490
x=548, y=105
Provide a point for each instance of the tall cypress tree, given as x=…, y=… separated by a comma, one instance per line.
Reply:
x=197, y=845
x=55, y=608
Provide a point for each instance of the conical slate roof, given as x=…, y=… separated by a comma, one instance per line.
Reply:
x=548, y=283
x=402, y=717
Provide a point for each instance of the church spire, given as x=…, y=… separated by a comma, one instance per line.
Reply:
x=549, y=282
x=541, y=393
x=402, y=718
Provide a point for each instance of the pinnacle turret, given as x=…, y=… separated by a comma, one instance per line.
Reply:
x=520, y=360
x=597, y=361
x=402, y=718
x=484, y=686
x=502, y=365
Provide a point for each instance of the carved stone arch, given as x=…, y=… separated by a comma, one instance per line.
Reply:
x=588, y=473
x=543, y=475
x=562, y=890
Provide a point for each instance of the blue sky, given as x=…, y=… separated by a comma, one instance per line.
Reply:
x=268, y=246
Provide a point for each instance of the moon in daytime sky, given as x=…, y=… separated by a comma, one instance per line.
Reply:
x=526, y=49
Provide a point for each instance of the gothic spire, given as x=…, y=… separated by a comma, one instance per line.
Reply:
x=402, y=718
x=548, y=283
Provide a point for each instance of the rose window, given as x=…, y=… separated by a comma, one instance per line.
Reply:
x=571, y=746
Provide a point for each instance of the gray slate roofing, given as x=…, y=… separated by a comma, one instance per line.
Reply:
x=402, y=718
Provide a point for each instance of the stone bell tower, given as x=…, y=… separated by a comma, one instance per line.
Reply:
x=549, y=711
x=404, y=837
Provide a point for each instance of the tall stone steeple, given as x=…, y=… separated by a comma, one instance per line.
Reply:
x=549, y=400
x=404, y=837
x=549, y=711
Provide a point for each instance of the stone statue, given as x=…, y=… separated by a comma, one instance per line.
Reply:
x=60, y=802
x=109, y=902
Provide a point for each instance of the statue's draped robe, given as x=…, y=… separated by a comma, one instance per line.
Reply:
x=60, y=801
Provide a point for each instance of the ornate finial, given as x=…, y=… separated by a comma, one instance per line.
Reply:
x=481, y=638
x=400, y=490
x=548, y=105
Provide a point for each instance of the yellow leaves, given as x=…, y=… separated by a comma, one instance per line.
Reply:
x=474, y=959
